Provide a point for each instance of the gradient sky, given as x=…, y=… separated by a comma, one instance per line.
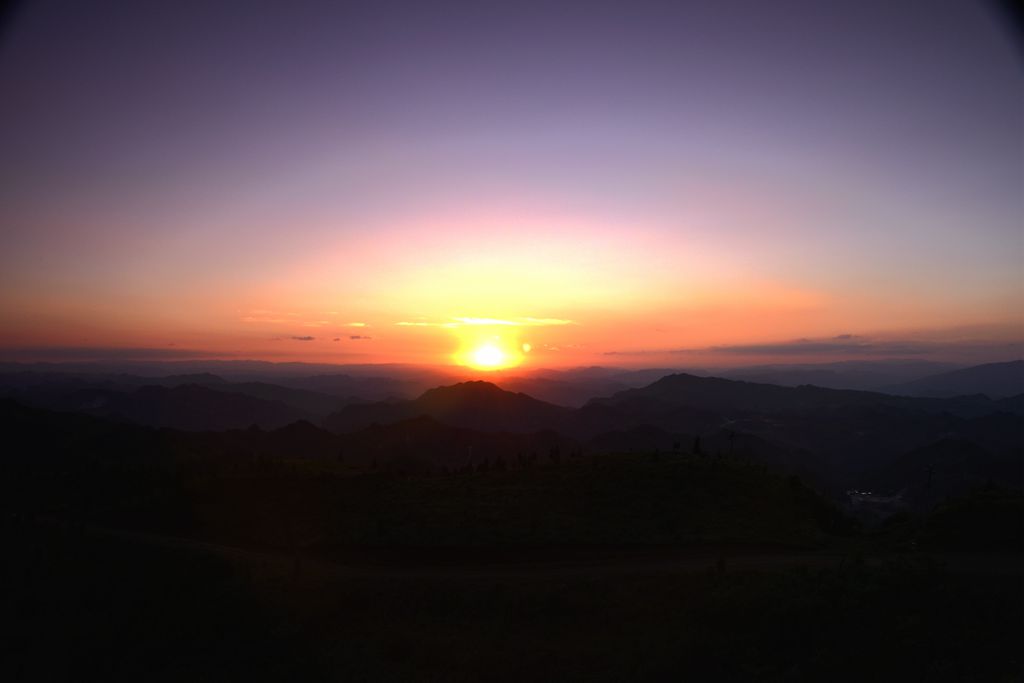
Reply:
x=626, y=183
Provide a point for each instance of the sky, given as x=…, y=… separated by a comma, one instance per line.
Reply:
x=573, y=183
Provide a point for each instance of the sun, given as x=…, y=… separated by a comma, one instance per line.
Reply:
x=489, y=356
x=488, y=350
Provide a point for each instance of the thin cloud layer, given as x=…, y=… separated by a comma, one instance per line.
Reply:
x=488, y=322
x=846, y=346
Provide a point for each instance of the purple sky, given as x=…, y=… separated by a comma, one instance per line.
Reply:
x=664, y=175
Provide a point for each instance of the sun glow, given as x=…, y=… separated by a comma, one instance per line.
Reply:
x=487, y=348
x=489, y=356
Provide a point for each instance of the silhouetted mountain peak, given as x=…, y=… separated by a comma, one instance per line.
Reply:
x=479, y=395
x=686, y=387
x=470, y=388
x=474, y=389
x=475, y=404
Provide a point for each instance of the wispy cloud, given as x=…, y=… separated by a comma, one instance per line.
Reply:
x=483, y=321
x=546, y=322
x=515, y=322
x=359, y=336
x=303, y=338
x=269, y=316
x=265, y=319
x=488, y=322
x=423, y=323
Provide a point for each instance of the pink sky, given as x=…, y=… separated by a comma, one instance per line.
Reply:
x=643, y=184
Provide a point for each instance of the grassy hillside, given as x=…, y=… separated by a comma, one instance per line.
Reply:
x=82, y=607
x=614, y=499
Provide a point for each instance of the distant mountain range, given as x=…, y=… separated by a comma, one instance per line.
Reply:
x=571, y=387
x=866, y=375
x=697, y=403
x=835, y=437
x=995, y=380
x=189, y=406
x=319, y=395
x=194, y=402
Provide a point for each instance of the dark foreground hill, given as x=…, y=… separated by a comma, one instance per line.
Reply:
x=136, y=553
x=420, y=482
x=836, y=436
x=248, y=488
x=948, y=468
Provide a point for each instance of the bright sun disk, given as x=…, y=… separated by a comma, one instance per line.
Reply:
x=489, y=356
x=489, y=349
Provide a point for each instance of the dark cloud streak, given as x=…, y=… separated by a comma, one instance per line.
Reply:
x=843, y=345
x=87, y=353
x=850, y=345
